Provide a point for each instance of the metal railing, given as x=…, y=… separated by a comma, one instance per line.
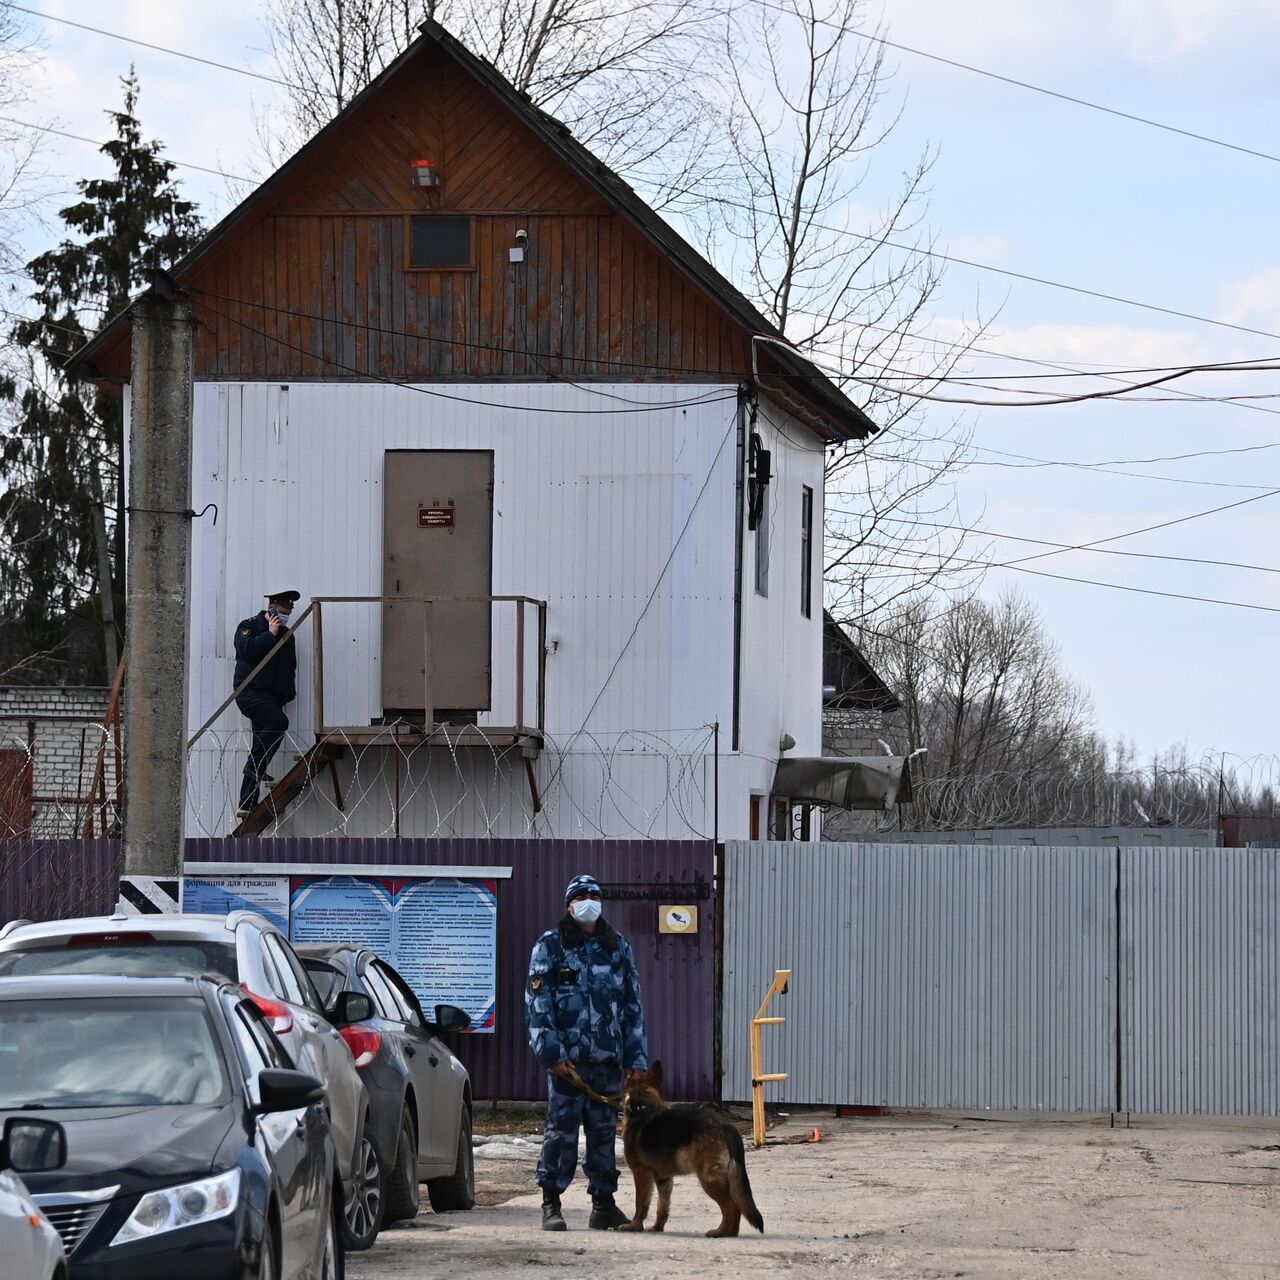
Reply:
x=314, y=612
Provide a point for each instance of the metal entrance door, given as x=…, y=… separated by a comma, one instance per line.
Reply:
x=437, y=540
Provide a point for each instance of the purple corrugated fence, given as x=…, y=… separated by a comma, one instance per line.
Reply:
x=45, y=880
x=677, y=971
x=56, y=879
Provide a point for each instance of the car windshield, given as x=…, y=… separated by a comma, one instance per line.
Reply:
x=154, y=958
x=106, y=1052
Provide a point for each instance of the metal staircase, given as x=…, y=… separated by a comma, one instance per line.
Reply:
x=290, y=787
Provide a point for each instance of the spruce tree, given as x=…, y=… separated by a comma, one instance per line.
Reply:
x=62, y=476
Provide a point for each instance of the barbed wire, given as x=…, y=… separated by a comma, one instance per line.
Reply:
x=462, y=781
x=452, y=780
x=1181, y=794
x=58, y=778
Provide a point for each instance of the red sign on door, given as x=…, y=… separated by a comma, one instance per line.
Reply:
x=435, y=517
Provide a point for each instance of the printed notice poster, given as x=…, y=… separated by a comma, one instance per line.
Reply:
x=343, y=909
x=439, y=933
x=446, y=945
x=221, y=895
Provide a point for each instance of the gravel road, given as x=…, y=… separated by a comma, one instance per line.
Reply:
x=912, y=1195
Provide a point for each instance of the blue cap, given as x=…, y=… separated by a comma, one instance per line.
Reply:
x=579, y=885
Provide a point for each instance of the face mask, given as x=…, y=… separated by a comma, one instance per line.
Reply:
x=586, y=911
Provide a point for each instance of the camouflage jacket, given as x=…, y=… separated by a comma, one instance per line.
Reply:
x=582, y=999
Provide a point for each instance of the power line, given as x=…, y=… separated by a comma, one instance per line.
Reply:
x=1028, y=85
x=1062, y=546
x=157, y=48
x=1150, y=528
x=444, y=395
x=972, y=349
x=1049, y=399
x=933, y=253
x=95, y=142
x=937, y=464
x=1168, y=372
x=1090, y=582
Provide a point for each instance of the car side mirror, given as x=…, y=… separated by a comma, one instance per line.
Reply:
x=33, y=1146
x=450, y=1018
x=350, y=1006
x=280, y=1090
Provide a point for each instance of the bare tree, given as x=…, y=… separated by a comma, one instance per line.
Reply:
x=810, y=111
x=20, y=187
x=983, y=686
x=620, y=78
x=765, y=141
x=1008, y=732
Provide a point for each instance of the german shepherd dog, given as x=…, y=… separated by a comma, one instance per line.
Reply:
x=662, y=1141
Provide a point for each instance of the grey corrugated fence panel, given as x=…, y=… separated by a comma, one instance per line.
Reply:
x=1201, y=941
x=924, y=976
x=1055, y=837
x=677, y=972
x=56, y=879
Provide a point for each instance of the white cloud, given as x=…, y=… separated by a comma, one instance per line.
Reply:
x=1085, y=39
x=1254, y=301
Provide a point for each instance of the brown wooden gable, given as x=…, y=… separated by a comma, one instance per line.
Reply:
x=313, y=284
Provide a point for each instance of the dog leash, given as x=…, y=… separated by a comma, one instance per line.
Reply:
x=610, y=1100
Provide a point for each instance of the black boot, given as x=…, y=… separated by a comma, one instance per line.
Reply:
x=552, y=1218
x=605, y=1215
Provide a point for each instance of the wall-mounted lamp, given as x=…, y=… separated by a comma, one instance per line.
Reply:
x=516, y=254
x=424, y=173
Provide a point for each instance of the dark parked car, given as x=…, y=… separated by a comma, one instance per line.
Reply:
x=193, y=1148
x=419, y=1093
x=245, y=948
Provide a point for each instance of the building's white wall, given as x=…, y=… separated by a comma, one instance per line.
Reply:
x=782, y=649
x=587, y=507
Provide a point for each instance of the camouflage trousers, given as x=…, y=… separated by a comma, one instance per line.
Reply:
x=567, y=1107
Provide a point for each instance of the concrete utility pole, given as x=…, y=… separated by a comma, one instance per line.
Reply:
x=155, y=701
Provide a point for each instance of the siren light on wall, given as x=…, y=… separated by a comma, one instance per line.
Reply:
x=424, y=173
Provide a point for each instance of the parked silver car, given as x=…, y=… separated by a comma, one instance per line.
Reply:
x=419, y=1093
x=247, y=949
x=30, y=1247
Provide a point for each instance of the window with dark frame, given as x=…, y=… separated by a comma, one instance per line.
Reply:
x=439, y=240
x=806, y=552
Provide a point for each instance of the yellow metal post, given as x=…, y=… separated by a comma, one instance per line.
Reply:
x=759, y=1077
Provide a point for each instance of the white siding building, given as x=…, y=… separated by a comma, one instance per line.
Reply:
x=512, y=380
x=625, y=523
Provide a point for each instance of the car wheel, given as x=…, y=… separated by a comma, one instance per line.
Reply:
x=363, y=1207
x=459, y=1190
x=403, y=1193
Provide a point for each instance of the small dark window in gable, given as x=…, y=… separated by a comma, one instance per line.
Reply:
x=439, y=240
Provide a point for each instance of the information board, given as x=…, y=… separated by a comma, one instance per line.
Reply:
x=440, y=933
x=221, y=895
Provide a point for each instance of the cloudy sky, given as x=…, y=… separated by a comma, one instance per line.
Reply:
x=1023, y=182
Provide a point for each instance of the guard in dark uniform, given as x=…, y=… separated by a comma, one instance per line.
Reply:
x=582, y=1008
x=270, y=691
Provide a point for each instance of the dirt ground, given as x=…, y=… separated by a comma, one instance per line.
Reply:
x=907, y=1195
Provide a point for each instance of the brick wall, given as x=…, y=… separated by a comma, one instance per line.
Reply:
x=59, y=732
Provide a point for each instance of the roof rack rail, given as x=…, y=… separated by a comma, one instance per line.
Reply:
x=7, y=929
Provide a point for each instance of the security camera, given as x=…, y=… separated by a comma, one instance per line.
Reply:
x=522, y=237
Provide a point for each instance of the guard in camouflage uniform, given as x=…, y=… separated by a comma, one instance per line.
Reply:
x=582, y=1007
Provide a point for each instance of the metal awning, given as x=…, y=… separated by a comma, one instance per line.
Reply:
x=846, y=782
